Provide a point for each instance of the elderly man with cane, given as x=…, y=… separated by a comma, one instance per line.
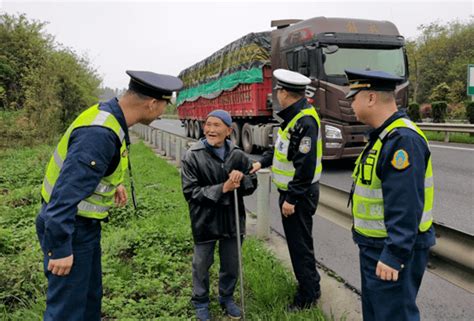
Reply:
x=212, y=169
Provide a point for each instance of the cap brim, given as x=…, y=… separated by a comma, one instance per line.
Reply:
x=352, y=93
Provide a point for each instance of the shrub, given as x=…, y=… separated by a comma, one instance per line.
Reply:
x=414, y=112
x=439, y=109
x=440, y=92
x=456, y=111
x=425, y=111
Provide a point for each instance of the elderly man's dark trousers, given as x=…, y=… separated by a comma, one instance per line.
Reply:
x=298, y=231
x=389, y=300
x=203, y=258
x=77, y=296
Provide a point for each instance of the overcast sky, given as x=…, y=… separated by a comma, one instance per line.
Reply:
x=167, y=37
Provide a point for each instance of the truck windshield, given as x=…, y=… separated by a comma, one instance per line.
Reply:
x=388, y=60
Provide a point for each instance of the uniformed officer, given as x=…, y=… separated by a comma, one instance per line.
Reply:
x=296, y=169
x=83, y=180
x=392, y=200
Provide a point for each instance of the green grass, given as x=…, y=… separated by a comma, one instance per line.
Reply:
x=146, y=254
x=453, y=137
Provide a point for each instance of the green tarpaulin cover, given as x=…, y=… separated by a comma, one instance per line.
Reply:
x=240, y=62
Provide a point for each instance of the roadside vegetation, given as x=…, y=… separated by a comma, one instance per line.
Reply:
x=146, y=254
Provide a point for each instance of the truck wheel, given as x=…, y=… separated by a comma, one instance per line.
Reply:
x=235, y=135
x=186, y=128
x=247, y=139
x=191, y=128
x=197, y=129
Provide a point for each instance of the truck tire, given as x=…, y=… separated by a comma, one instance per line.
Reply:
x=235, y=135
x=197, y=129
x=186, y=128
x=247, y=139
x=191, y=128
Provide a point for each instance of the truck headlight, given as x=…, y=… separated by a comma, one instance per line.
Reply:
x=332, y=132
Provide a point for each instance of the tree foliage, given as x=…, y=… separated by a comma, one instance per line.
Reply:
x=441, y=55
x=439, y=109
x=414, y=112
x=50, y=84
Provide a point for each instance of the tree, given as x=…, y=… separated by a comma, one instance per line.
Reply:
x=440, y=54
x=49, y=83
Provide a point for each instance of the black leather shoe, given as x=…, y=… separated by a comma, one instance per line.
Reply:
x=300, y=304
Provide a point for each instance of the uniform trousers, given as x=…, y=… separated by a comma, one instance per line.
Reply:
x=203, y=258
x=389, y=300
x=298, y=231
x=77, y=296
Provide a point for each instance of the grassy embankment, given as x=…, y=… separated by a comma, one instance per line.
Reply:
x=146, y=254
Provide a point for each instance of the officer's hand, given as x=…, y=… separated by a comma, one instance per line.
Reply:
x=385, y=272
x=236, y=176
x=230, y=185
x=287, y=209
x=61, y=266
x=255, y=167
x=120, y=196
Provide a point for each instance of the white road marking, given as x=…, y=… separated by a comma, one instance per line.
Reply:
x=452, y=147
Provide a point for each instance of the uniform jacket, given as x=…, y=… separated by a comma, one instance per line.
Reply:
x=203, y=175
x=403, y=192
x=78, y=179
x=304, y=163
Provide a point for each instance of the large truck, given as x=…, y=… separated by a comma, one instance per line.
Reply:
x=238, y=78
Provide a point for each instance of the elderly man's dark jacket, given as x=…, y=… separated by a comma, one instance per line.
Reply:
x=203, y=175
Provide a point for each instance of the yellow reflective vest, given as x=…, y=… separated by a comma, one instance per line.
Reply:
x=283, y=169
x=367, y=198
x=97, y=204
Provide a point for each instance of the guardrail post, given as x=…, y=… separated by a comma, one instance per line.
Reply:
x=160, y=141
x=446, y=137
x=152, y=137
x=167, y=145
x=148, y=132
x=155, y=139
x=263, y=203
x=178, y=144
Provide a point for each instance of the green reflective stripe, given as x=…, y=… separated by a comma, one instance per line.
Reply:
x=316, y=178
x=103, y=188
x=427, y=216
x=57, y=159
x=377, y=225
x=101, y=118
x=429, y=182
x=47, y=186
x=282, y=172
x=368, y=192
x=121, y=135
x=89, y=207
x=282, y=178
x=98, y=198
x=410, y=124
x=283, y=165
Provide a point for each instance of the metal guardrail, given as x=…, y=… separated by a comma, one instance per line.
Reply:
x=452, y=258
x=447, y=128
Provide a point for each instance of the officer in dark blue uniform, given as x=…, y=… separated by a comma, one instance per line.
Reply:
x=392, y=199
x=70, y=241
x=299, y=198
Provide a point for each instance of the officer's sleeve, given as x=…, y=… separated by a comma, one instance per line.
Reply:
x=248, y=185
x=90, y=151
x=302, y=152
x=403, y=191
x=267, y=158
x=192, y=190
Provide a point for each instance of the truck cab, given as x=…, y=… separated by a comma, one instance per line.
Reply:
x=322, y=48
